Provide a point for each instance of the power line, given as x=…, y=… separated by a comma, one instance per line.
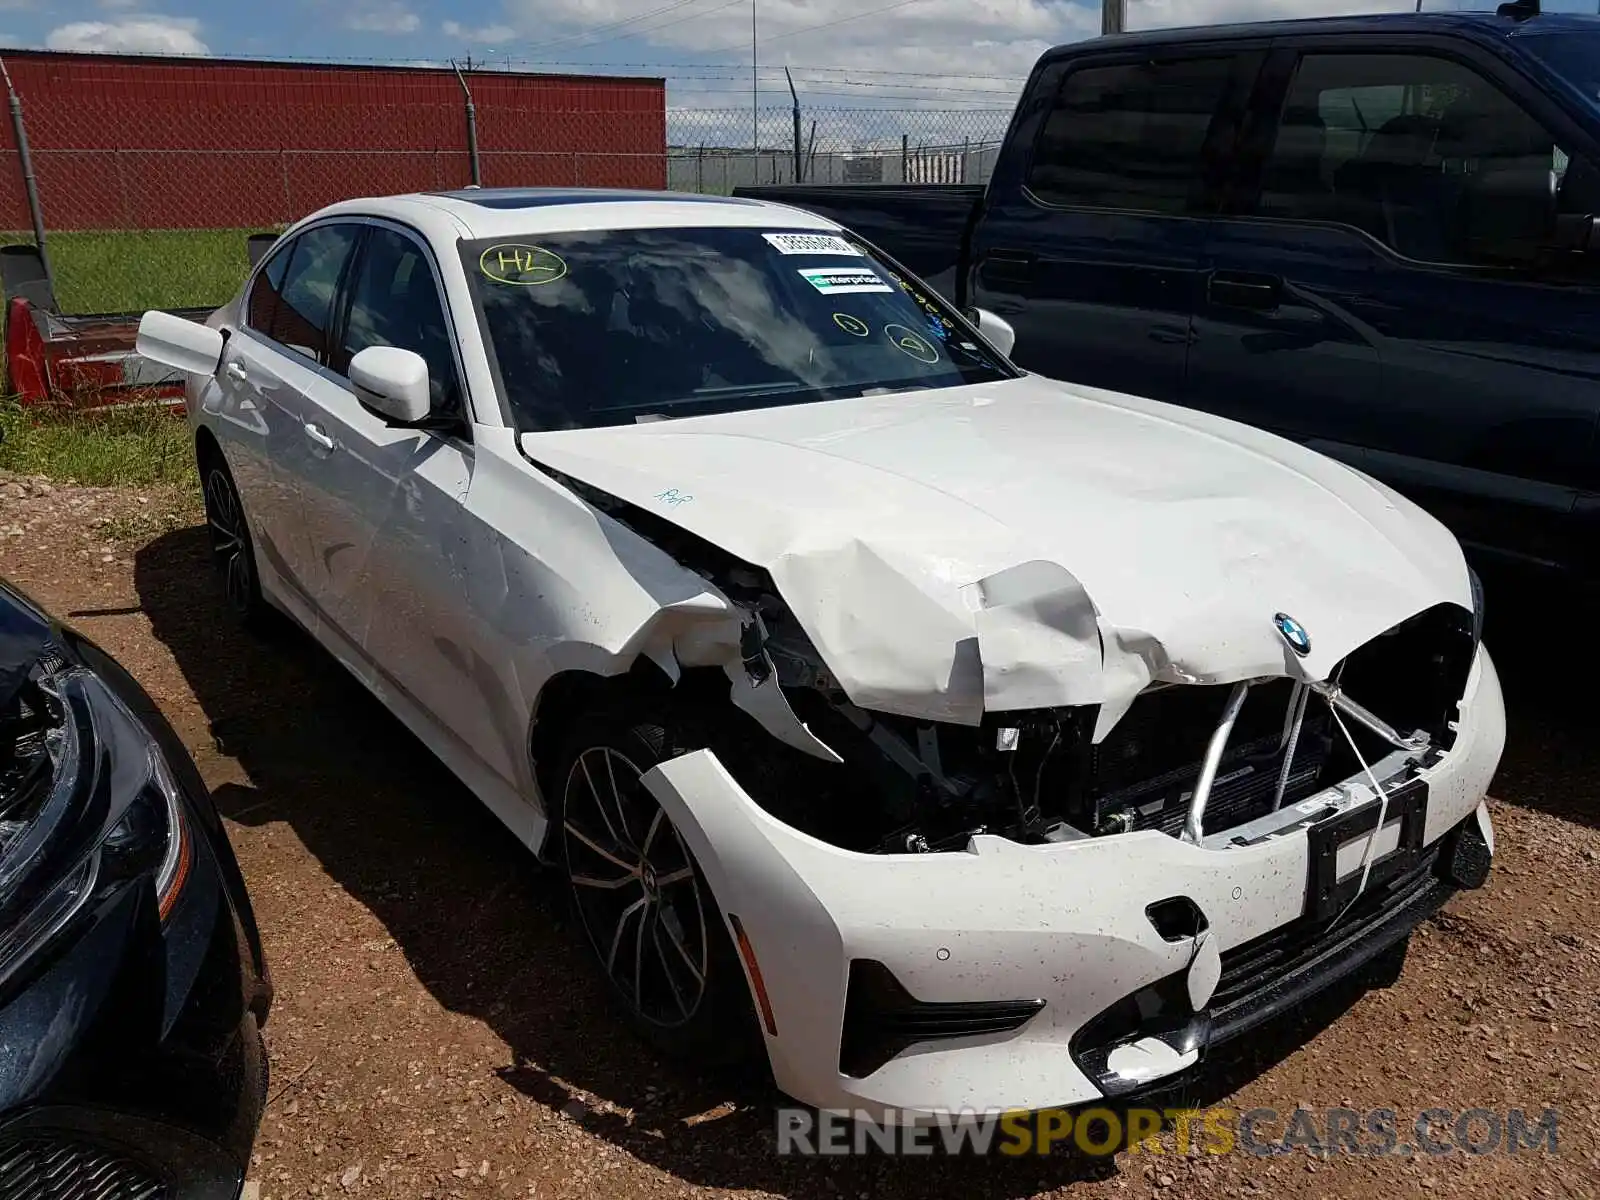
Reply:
x=633, y=33
x=889, y=96
x=673, y=69
x=941, y=89
x=588, y=33
x=777, y=37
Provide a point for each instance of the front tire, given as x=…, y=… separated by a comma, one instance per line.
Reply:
x=640, y=898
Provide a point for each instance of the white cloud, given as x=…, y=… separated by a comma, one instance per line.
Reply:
x=943, y=39
x=965, y=57
x=383, y=18
x=146, y=33
x=1162, y=14
x=489, y=35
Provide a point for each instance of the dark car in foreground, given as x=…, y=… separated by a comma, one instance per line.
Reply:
x=1373, y=234
x=132, y=983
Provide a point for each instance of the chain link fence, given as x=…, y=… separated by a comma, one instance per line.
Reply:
x=149, y=174
x=715, y=150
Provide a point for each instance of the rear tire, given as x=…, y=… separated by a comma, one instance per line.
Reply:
x=640, y=898
x=232, y=549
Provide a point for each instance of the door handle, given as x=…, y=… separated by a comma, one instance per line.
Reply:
x=319, y=436
x=235, y=370
x=1260, y=292
x=1003, y=264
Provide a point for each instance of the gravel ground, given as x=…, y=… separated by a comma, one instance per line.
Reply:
x=438, y=1032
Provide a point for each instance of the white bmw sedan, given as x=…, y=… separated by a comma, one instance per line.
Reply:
x=949, y=737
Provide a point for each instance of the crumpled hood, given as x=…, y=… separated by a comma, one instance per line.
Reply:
x=1030, y=544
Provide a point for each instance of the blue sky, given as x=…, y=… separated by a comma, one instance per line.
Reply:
x=959, y=53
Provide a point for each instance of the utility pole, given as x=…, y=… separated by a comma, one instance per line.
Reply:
x=472, y=124
x=755, y=87
x=30, y=185
x=1113, y=16
x=799, y=163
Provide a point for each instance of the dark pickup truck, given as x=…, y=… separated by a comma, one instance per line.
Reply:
x=1375, y=235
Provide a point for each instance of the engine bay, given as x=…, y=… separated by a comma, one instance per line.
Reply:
x=908, y=786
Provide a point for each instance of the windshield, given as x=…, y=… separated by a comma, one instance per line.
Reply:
x=1573, y=56
x=620, y=326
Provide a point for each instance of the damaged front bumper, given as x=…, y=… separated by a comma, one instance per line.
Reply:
x=1142, y=948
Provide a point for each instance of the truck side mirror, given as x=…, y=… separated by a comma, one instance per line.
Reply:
x=1575, y=234
x=996, y=330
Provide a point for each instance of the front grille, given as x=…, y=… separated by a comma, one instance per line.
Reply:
x=41, y=1168
x=1269, y=974
x=1147, y=769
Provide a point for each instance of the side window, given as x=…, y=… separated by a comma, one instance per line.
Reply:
x=394, y=301
x=304, y=312
x=264, y=293
x=1422, y=153
x=1130, y=135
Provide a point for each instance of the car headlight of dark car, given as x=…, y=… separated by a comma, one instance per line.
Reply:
x=87, y=804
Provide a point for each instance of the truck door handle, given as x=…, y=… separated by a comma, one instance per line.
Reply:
x=319, y=436
x=235, y=370
x=1004, y=264
x=1228, y=289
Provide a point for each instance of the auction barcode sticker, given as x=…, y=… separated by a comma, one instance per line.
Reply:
x=838, y=281
x=810, y=243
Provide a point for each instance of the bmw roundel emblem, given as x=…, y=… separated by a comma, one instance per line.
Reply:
x=1294, y=633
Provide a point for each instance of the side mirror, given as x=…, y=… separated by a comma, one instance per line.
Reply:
x=256, y=246
x=996, y=330
x=393, y=383
x=180, y=344
x=1576, y=234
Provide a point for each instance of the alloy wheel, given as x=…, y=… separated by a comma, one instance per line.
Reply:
x=230, y=540
x=637, y=891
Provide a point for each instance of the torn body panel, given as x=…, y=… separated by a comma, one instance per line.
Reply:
x=1068, y=923
x=984, y=549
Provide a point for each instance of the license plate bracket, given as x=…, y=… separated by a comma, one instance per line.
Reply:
x=1331, y=883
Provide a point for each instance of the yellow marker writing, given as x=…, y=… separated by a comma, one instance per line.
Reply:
x=522, y=265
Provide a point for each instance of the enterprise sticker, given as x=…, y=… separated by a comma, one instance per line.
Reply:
x=810, y=243
x=838, y=281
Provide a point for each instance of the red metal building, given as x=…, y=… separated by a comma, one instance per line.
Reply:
x=134, y=142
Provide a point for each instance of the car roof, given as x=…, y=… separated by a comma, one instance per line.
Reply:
x=473, y=213
x=1484, y=25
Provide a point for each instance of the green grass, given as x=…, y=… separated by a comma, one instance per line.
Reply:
x=137, y=447
x=134, y=270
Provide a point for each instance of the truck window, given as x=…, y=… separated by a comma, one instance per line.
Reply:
x=1129, y=135
x=1575, y=56
x=1424, y=154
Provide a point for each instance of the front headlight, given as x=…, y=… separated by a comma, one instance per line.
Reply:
x=86, y=805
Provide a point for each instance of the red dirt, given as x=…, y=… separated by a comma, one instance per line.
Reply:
x=439, y=1033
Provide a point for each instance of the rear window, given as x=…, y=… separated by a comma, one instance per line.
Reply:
x=619, y=326
x=1130, y=135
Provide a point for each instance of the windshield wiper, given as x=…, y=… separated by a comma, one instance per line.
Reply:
x=736, y=390
x=710, y=395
